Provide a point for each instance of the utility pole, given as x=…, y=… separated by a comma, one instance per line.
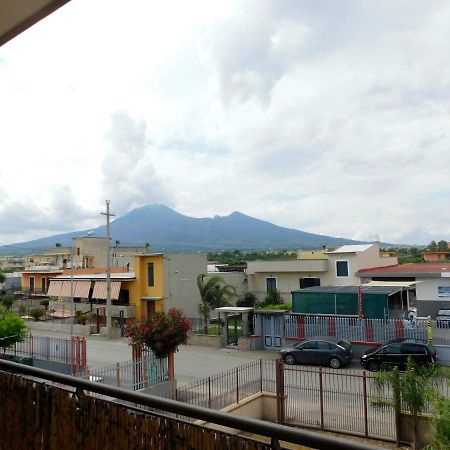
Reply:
x=108, y=272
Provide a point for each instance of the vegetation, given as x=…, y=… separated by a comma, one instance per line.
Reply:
x=247, y=300
x=415, y=388
x=214, y=293
x=37, y=313
x=44, y=302
x=441, y=424
x=12, y=329
x=81, y=317
x=7, y=301
x=2, y=276
x=162, y=332
x=236, y=257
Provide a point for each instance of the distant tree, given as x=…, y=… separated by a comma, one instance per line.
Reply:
x=45, y=302
x=214, y=293
x=273, y=297
x=2, y=277
x=432, y=246
x=247, y=300
x=58, y=244
x=7, y=301
x=12, y=329
x=37, y=313
x=442, y=246
x=117, y=243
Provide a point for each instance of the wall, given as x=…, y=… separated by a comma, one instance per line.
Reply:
x=428, y=302
x=180, y=281
x=236, y=279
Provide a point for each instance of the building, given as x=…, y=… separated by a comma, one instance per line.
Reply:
x=436, y=256
x=432, y=283
x=159, y=282
x=322, y=268
x=8, y=263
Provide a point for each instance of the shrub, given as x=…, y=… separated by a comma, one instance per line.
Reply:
x=36, y=313
x=44, y=302
x=81, y=317
x=161, y=332
x=12, y=329
x=247, y=300
x=7, y=301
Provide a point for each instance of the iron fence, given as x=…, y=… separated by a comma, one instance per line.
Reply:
x=71, y=351
x=199, y=325
x=132, y=375
x=354, y=329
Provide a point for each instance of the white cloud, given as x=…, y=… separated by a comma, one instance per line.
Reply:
x=320, y=116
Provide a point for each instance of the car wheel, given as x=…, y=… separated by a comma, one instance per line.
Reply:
x=335, y=363
x=289, y=359
x=372, y=366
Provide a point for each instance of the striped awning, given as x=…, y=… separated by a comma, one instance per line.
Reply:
x=54, y=288
x=81, y=289
x=66, y=290
x=100, y=289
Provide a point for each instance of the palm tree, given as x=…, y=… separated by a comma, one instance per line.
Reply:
x=214, y=293
x=414, y=389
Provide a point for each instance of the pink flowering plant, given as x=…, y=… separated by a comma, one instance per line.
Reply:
x=162, y=332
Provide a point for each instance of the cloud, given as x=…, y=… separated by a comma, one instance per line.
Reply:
x=129, y=171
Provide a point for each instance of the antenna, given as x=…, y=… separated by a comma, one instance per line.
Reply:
x=375, y=237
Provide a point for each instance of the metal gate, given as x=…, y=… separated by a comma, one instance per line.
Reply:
x=339, y=401
x=272, y=325
x=233, y=329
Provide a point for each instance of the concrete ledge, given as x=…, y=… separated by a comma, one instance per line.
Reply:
x=206, y=341
x=78, y=330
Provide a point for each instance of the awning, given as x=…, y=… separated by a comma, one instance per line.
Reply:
x=54, y=288
x=66, y=290
x=100, y=289
x=82, y=289
x=405, y=284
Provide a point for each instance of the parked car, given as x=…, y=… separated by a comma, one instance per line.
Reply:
x=326, y=351
x=443, y=318
x=395, y=354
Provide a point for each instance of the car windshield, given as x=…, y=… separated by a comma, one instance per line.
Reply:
x=444, y=312
x=345, y=345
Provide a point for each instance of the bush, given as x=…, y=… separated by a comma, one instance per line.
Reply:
x=7, y=301
x=12, y=329
x=277, y=307
x=44, y=302
x=81, y=317
x=247, y=300
x=37, y=313
x=162, y=332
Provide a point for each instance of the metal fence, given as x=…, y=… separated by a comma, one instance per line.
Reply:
x=71, y=351
x=340, y=401
x=354, y=329
x=198, y=325
x=133, y=375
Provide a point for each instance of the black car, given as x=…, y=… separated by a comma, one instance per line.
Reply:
x=325, y=351
x=443, y=318
x=395, y=354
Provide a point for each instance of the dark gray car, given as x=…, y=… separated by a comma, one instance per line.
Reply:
x=320, y=350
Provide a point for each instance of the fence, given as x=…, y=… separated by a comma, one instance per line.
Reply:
x=354, y=329
x=198, y=326
x=71, y=351
x=340, y=401
x=133, y=375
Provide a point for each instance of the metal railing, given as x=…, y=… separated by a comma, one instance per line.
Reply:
x=81, y=409
x=354, y=329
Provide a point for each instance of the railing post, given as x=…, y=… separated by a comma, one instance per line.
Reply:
x=209, y=392
x=321, y=398
x=261, y=375
x=237, y=384
x=280, y=390
x=118, y=374
x=397, y=409
x=366, y=418
x=171, y=365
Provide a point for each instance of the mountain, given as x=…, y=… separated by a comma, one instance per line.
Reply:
x=168, y=230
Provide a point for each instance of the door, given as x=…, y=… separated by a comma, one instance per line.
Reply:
x=31, y=284
x=233, y=329
x=308, y=353
x=393, y=356
x=150, y=308
x=272, y=330
x=43, y=285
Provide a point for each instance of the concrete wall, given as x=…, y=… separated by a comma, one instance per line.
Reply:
x=78, y=330
x=236, y=279
x=428, y=301
x=206, y=341
x=180, y=281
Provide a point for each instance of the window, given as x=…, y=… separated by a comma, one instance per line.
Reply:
x=393, y=348
x=150, y=275
x=271, y=284
x=410, y=348
x=309, y=282
x=78, y=251
x=322, y=345
x=342, y=268
x=31, y=284
x=311, y=345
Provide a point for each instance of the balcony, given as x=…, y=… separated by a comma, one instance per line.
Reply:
x=81, y=414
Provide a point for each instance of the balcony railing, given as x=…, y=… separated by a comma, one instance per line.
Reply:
x=77, y=420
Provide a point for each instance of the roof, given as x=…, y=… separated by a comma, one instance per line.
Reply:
x=404, y=284
x=410, y=269
x=234, y=309
x=351, y=249
x=371, y=290
x=17, y=16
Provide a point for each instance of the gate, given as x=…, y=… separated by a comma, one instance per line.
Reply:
x=272, y=326
x=340, y=401
x=233, y=329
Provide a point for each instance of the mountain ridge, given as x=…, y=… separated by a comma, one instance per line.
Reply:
x=168, y=230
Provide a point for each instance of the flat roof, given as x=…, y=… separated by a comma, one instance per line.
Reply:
x=351, y=249
x=350, y=290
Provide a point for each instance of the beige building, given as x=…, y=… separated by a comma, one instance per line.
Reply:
x=333, y=268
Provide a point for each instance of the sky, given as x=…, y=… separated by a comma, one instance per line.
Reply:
x=330, y=117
